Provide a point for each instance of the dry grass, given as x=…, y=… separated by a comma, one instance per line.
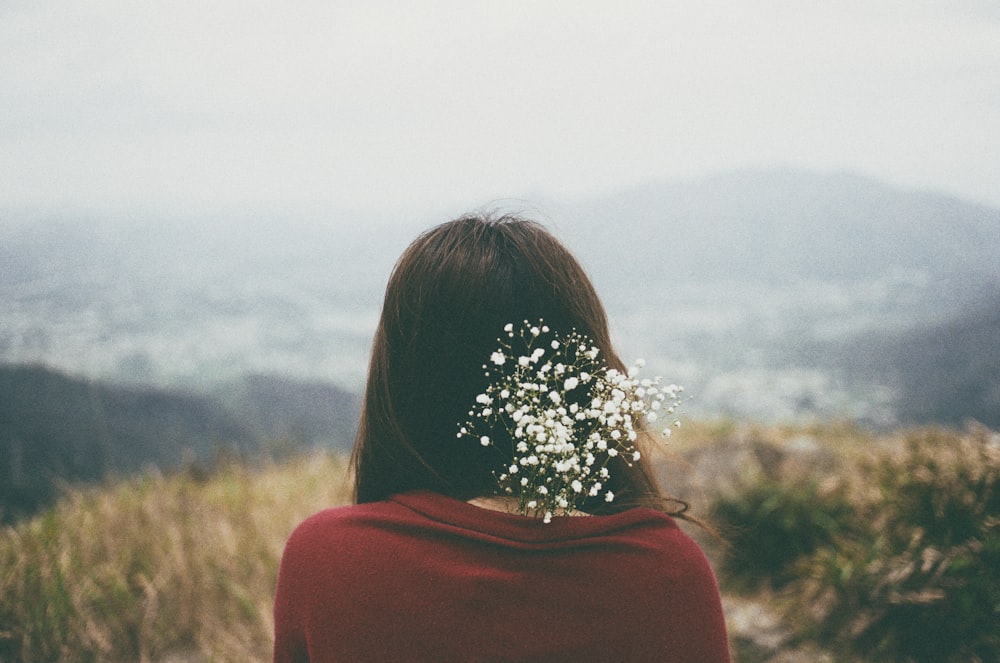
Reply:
x=183, y=568
x=158, y=568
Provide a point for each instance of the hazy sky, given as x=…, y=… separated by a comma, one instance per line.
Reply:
x=202, y=105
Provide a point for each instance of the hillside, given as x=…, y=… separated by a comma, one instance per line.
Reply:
x=57, y=429
x=946, y=373
x=844, y=546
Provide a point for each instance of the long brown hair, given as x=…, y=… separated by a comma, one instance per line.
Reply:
x=447, y=301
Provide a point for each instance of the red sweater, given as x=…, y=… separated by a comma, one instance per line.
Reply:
x=423, y=577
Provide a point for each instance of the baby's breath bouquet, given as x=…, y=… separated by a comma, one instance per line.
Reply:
x=565, y=413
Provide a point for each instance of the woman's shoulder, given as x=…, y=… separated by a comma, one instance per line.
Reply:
x=345, y=517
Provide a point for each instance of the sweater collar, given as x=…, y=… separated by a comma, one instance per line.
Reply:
x=525, y=529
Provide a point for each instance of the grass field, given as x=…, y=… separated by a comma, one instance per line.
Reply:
x=860, y=547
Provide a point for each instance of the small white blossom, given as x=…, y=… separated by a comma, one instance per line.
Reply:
x=561, y=447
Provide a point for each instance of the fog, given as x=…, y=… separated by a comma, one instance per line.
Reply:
x=329, y=111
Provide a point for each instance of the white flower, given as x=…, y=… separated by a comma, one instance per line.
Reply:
x=562, y=447
x=609, y=497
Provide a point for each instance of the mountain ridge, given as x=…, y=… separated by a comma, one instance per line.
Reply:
x=778, y=225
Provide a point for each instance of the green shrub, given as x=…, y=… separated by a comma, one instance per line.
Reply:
x=900, y=563
x=771, y=527
x=922, y=580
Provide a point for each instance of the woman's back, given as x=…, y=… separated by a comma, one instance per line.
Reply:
x=423, y=577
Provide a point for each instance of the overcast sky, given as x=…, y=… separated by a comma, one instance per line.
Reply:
x=200, y=105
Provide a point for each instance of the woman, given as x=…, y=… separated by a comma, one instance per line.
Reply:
x=432, y=563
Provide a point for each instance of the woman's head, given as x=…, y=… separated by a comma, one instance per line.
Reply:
x=447, y=301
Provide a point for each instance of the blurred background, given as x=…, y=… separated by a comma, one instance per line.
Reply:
x=791, y=208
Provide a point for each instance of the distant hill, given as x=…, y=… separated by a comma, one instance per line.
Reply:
x=57, y=429
x=780, y=226
x=294, y=413
x=946, y=373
